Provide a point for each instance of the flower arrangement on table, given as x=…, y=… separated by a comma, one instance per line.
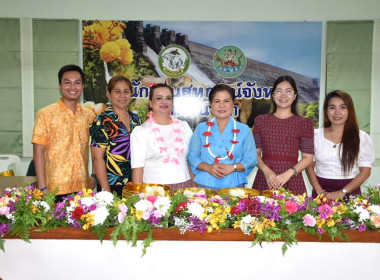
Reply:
x=22, y=209
x=87, y=210
x=267, y=218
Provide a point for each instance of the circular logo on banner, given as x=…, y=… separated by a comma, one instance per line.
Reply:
x=229, y=61
x=174, y=61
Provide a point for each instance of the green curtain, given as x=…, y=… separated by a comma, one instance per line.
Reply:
x=349, y=63
x=10, y=87
x=55, y=44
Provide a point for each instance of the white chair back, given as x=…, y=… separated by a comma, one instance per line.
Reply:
x=10, y=162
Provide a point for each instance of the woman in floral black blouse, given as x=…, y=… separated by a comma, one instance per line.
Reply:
x=110, y=138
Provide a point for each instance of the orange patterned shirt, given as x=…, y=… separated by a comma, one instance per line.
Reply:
x=66, y=137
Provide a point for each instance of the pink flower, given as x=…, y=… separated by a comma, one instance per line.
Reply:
x=121, y=217
x=319, y=230
x=291, y=206
x=309, y=220
x=151, y=198
x=375, y=219
x=146, y=215
x=157, y=214
x=123, y=208
x=325, y=208
x=4, y=210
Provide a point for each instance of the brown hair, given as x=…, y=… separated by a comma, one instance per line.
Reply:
x=350, y=137
x=154, y=87
x=114, y=80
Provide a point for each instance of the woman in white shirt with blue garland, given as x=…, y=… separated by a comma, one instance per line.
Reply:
x=159, y=146
x=343, y=153
x=222, y=151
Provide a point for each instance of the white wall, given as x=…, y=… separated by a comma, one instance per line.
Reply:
x=251, y=10
x=223, y=10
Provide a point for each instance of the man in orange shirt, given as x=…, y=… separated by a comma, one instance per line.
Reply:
x=61, y=136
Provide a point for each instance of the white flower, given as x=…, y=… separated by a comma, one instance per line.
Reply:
x=100, y=215
x=363, y=213
x=375, y=209
x=237, y=193
x=87, y=201
x=247, y=219
x=104, y=198
x=263, y=198
x=156, y=191
x=143, y=205
x=195, y=209
x=42, y=204
x=246, y=224
x=162, y=204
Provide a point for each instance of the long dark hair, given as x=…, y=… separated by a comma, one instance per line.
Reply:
x=350, y=137
x=292, y=82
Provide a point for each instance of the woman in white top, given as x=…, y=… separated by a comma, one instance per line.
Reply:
x=159, y=146
x=343, y=153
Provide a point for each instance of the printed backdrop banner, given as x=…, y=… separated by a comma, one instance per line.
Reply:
x=192, y=57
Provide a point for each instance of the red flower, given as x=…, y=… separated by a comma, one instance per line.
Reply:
x=230, y=155
x=217, y=159
x=236, y=130
x=182, y=206
x=207, y=145
x=234, y=142
x=78, y=212
x=236, y=210
x=207, y=133
x=210, y=123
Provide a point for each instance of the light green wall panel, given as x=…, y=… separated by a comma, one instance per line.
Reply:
x=10, y=35
x=55, y=35
x=10, y=87
x=46, y=96
x=352, y=71
x=349, y=64
x=10, y=100
x=55, y=44
x=10, y=69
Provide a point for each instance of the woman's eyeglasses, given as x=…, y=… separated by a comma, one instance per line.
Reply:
x=287, y=91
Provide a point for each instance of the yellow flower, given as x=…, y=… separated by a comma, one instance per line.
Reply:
x=341, y=209
x=330, y=223
x=126, y=54
x=87, y=192
x=35, y=209
x=236, y=224
x=37, y=194
x=320, y=222
x=110, y=51
x=138, y=215
x=88, y=219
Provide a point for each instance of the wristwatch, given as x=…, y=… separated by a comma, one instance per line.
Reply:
x=345, y=191
x=235, y=167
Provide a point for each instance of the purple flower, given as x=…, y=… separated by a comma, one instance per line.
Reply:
x=319, y=230
x=4, y=228
x=197, y=224
x=93, y=207
x=362, y=227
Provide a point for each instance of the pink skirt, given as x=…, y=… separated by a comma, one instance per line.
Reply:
x=174, y=187
x=333, y=185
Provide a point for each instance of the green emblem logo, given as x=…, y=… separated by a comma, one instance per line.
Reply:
x=229, y=61
x=174, y=61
